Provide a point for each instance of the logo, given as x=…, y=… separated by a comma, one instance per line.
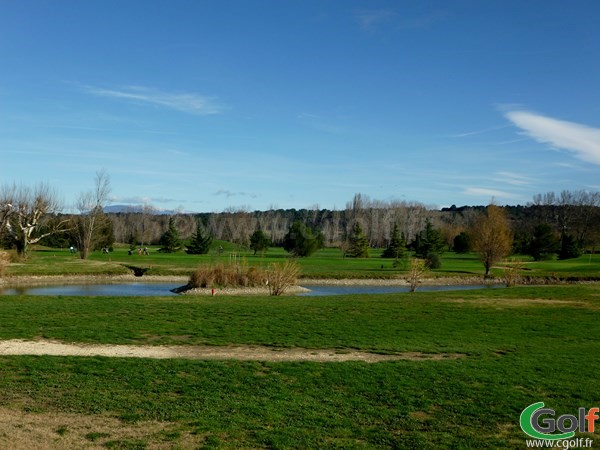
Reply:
x=539, y=422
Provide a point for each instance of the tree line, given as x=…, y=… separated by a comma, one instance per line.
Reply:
x=564, y=224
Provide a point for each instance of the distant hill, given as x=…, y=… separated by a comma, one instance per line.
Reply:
x=136, y=209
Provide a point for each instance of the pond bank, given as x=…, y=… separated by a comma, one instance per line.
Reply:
x=54, y=280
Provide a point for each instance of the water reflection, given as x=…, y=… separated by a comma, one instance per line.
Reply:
x=121, y=289
x=320, y=290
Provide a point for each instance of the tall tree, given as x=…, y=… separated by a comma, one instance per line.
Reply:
x=201, y=240
x=358, y=243
x=397, y=246
x=91, y=218
x=170, y=241
x=492, y=238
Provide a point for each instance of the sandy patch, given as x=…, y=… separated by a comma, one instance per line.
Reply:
x=48, y=431
x=240, y=353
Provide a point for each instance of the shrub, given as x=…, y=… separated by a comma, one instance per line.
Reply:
x=512, y=273
x=282, y=276
x=4, y=262
x=416, y=271
x=227, y=275
x=433, y=261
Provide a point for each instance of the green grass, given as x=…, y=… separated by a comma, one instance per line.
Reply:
x=326, y=263
x=523, y=345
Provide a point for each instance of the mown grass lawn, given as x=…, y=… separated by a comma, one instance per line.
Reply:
x=325, y=263
x=521, y=346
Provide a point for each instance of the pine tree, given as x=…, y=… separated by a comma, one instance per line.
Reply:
x=301, y=240
x=397, y=247
x=259, y=241
x=359, y=245
x=170, y=241
x=201, y=240
x=543, y=242
x=568, y=247
x=429, y=241
x=430, y=245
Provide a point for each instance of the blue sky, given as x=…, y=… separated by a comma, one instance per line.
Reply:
x=204, y=105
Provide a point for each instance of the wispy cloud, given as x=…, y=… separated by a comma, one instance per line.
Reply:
x=514, y=179
x=370, y=20
x=227, y=193
x=482, y=131
x=492, y=193
x=185, y=102
x=139, y=200
x=581, y=140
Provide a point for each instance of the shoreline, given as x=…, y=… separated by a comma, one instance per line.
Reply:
x=50, y=280
x=303, y=284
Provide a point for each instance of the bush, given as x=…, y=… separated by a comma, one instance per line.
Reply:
x=282, y=276
x=4, y=262
x=416, y=271
x=227, y=275
x=512, y=273
x=433, y=261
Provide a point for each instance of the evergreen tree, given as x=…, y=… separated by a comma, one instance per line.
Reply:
x=543, y=242
x=359, y=245
x=301, y=240
x=397, y=247
x=201, y=240
x=170, y=241
x=462, y=243
x=429, y=244
x=259, y=241
x=568, y=247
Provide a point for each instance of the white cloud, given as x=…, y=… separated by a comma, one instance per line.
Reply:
x=492, y=193
x=184, y=102
x=581, y=140
x=514, y=178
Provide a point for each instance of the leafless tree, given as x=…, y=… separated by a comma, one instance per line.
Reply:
x=91, y=213
x=416, y=270
x=24, y=212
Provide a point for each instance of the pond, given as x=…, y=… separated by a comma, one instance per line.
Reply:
x=320, y=290
x=116, y=290
x=141, y=289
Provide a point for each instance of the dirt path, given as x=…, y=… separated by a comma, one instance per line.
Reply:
x=240, y=353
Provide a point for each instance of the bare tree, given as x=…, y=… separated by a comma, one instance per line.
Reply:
x=416, y=271
x=91, y=213
x=492, y=238
x=24, y=211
